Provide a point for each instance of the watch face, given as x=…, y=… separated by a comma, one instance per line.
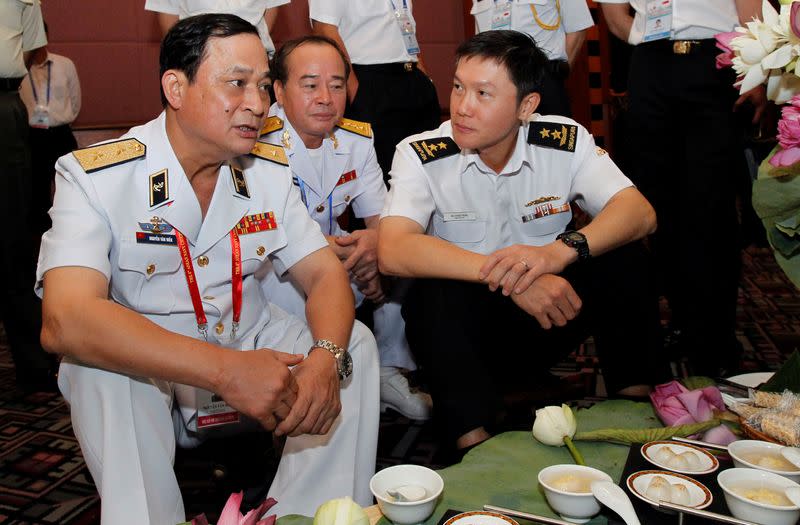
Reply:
x=575, y=237
x=345, y=366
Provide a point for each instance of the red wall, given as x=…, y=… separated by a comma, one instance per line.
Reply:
x=115, y=48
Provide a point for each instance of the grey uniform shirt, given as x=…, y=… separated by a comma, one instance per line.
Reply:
x=456, y=197
x=547, y=21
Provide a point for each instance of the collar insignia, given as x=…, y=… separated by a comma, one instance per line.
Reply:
x=433, y=149
x=286, y=139
x=159, y=188
x=553, y=135
x=239, y=183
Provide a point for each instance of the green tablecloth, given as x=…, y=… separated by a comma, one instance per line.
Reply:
x=502, y=471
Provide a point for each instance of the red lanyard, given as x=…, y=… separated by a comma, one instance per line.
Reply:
x=194, y=291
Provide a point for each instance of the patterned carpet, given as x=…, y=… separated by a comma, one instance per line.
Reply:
x=43, y=479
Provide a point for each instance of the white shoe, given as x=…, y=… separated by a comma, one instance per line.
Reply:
x=396, y=394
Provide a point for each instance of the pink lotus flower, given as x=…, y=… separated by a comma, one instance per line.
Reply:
x=231, y=515
x=677, y=405
x=794, y=19
x=725, y=59
x=788, y=133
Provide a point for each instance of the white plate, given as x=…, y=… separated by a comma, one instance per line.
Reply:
x=708, y=463
x=699, y=496
x=751, y=380
x=480, y=517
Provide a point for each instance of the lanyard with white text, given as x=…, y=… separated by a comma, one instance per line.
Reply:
x=194, y=291
x=33, y=86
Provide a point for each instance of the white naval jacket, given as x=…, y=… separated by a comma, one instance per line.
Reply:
x=453, y=195
x=107, y=220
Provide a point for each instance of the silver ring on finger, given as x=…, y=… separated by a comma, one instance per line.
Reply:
x=525, y=264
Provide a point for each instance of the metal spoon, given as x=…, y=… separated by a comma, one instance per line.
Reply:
x=405, y=493
x=613, y=497
x=792, y=455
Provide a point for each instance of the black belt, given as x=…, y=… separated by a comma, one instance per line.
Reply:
x=395, y=67
x=682, y=47
x=10, y=84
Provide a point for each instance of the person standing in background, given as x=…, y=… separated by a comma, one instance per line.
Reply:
x=557, y=26
x=260, y=13
x=21, y=32
x=684, y=144
x=51, y=92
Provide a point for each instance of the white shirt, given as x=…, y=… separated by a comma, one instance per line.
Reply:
x=691, y=19
x=350, y=173
x=21, y=29
x=250, y=10
x=100, y=217
x=65, y=89
x=459, y=199
x=551, y=27
x=368, y=28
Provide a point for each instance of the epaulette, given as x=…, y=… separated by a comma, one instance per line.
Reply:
x=435, y=148
x=96, y=158
x=273, y=123
x=354, y=126
x=271, y=152
x=553, y=135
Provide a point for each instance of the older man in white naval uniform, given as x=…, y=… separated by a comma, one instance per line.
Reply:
x=333, y=163
x=147, y=278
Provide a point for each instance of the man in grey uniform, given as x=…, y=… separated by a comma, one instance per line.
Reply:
x=480, y=210
x=148, y=283
x=333, y=163
x=21, y=32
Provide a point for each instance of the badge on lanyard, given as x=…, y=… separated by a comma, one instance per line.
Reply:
x=501, y=14
x=658, y=20
x=213, y=411
x=407, y=28
x=41, y=114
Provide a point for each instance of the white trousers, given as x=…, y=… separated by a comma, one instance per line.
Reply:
x=388, y=324
x=127, y=434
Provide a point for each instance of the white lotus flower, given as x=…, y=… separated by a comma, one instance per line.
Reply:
x=553, y=423
x=781, y=87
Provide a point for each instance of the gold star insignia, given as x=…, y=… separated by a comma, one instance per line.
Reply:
x=600, y=151
x=442, y=145
x=556, y=135
x=545, y=133
x=432, y=147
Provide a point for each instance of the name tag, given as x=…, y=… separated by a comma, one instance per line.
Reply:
x=212, y=411
x=460, y=216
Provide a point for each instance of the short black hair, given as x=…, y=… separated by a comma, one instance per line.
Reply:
x=184, y=46
x=518, y=52
x=279, y=69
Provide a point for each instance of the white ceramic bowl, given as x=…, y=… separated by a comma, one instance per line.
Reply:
x=577, y=507
x=406, y=512
x=747, y=509
x=741, y=450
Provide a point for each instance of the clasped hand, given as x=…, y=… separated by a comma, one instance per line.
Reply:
x=358, y=252
x=514, y=268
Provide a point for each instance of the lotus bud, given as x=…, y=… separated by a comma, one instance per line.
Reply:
x=340, y=511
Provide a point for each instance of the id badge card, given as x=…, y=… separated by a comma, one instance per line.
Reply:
x=213, y=411
x=658, y=20
x=501, y=14
x=40, y=118
x=409, y=32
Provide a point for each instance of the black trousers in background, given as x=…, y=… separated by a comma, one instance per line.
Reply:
x=20, y=308
x=398, y=101
x=470, y=341
x=47, y=145
x=684, y=149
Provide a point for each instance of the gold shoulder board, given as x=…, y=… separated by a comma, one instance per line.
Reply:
x=96, y=158
x=270, y=152
x=354, y=126
x=272, y=124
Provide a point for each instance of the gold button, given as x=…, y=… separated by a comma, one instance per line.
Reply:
x=209, y=297
x=202, y=260
x=320, y=208
x=150, y=269
x=219, y=328
x=347, y=199
x=260, y=250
